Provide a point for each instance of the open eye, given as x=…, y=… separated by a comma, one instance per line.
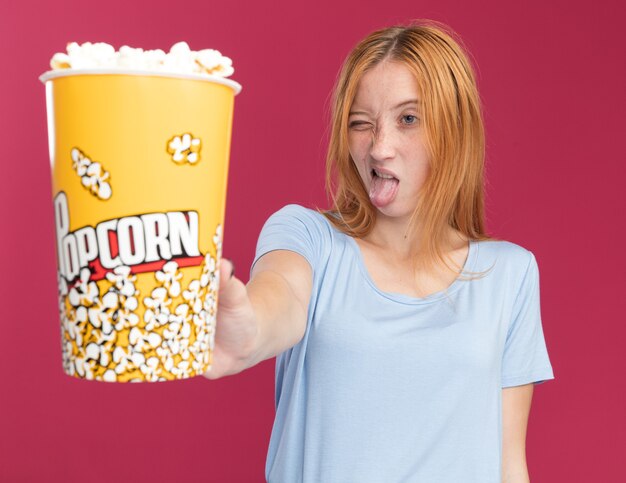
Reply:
x=409, y=119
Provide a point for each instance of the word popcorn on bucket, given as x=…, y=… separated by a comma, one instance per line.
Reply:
x=139, y=149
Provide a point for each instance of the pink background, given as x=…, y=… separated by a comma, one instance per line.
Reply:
x=552, y=79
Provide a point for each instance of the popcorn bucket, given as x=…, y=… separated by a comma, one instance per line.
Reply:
x=139, y=172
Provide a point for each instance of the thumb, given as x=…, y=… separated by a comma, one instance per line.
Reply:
x=227, y=270
x=232, y=292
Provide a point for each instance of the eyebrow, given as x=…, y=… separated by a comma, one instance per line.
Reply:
x=402, y=104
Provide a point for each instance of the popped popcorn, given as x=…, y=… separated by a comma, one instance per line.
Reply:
x=180, y=59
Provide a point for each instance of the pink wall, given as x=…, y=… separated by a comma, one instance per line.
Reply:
x=552, y=78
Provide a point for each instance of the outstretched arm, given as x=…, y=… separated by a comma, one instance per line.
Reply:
x=267, y=316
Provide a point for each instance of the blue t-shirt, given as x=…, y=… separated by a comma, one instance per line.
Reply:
x=385, y=387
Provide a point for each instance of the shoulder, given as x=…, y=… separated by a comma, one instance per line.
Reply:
x=508, y=259
x=295, y=228
x=295, y=224
x=301, y=212
x=301, y=215
x=506, y=249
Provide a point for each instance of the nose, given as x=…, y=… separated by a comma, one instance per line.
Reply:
x=382, y=144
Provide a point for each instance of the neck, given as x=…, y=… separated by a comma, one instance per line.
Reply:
x=396, y=238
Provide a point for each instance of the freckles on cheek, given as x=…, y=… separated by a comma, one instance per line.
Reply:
x=359, y=165
x=362, y=164
x=359, y=154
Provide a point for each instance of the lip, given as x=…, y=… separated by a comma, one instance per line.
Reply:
x=384, y=171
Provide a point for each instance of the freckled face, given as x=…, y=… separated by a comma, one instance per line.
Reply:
x=386, y=138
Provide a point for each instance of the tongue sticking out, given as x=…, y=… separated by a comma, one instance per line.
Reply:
x=383, y=191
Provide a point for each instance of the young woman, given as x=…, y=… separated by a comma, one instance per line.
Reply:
x=408, y=340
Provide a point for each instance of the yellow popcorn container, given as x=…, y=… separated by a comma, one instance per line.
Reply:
x=139, y=165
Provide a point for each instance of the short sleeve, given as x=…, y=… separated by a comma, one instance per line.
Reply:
x=294, y=228
x=525, y=357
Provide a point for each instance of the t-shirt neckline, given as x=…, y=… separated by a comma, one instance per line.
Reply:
x=470, y=264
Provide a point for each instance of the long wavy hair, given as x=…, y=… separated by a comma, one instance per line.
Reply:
x=452, y=194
